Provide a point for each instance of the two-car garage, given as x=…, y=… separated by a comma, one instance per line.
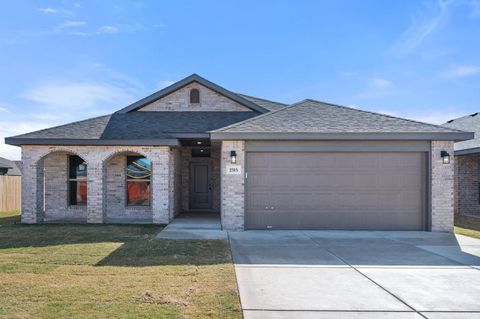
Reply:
x=376, y=186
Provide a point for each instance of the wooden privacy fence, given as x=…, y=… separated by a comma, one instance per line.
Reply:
x=10, y=193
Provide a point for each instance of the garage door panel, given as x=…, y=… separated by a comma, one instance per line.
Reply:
x=259, y=201
x=336, y=190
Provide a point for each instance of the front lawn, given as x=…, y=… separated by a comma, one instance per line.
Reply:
x=111, y=271
x=468, y=226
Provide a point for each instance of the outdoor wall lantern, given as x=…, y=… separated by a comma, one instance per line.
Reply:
x=445, y=157
x=233, y=157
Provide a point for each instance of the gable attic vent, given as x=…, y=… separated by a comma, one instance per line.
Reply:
x=194, y=96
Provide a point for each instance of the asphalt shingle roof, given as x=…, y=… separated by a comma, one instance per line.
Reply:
x=470, y=123
x=269, y=105
x=310, y=116
x=164, y=128
x=141, y=125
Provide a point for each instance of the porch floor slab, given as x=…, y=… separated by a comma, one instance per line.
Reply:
x=194, y=226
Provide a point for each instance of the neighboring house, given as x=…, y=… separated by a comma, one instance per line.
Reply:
x=195, y=146
x=10, y=168
x=467, y=166
x=10, y=184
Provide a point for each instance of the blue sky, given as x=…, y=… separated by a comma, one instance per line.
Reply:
x=62, y=61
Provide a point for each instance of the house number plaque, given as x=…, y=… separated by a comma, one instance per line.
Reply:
x=234, y=170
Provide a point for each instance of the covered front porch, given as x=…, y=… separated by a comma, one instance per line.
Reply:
x=121, y=184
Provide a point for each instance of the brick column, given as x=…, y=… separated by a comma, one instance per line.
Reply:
x=232, y=187
x=160, y=158
x=32, y=189
x=442, y=200
x=95, y=187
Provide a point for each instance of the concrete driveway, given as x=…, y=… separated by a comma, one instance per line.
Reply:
x=341, y=274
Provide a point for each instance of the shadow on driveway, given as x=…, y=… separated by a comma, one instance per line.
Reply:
x=360, y=248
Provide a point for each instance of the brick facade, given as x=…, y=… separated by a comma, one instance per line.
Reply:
x=170, y=184
x=105, y=175
x=56, y=203
x=467, y=192
x=209, y=101
x=442, y=187
x=116, y=195
x=233, y=187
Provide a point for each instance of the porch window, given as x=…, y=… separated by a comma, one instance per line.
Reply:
x=139, y=171
x=77, y=180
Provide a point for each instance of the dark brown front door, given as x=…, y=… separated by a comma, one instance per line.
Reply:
x=200, y=186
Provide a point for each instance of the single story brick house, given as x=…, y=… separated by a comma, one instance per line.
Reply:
x=198, y=147
x=467, y=166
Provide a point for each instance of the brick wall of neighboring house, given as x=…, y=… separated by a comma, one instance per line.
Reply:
x=233, y=187
x=98, y=158
x=467, y=192
x=180, y=101
x=214, y=159
x=442, y=187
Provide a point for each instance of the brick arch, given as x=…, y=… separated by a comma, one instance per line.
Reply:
x=117, y=152
x=69, y=150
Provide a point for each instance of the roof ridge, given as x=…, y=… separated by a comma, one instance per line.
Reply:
x=471, y=115
x=62, y=125
x=259, y=98
x=376, y=113
x=256, y=117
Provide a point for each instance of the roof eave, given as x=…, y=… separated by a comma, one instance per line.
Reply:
x=468, y=151
x=192, y=78
x=439, y=136
x=95, y=142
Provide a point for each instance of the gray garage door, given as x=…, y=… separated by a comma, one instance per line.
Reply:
x=336, y=191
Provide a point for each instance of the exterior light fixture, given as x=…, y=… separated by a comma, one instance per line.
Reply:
x=233, y=157
x=199, y=142
x=445, y=157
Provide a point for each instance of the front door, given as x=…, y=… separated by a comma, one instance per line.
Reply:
x=201, y=186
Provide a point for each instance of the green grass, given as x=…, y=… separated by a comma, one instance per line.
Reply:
x=111, y=271
x=468, y=226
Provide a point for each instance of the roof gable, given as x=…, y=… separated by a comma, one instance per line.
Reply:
x=209, y=101
x=182, y=83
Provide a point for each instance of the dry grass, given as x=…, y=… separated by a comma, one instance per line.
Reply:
x=468, y=226
x=107, y=271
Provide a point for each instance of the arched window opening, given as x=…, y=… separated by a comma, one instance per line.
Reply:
x=139, y=172
x=194, y=96
x=77, y=180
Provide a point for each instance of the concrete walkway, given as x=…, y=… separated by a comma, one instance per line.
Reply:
x=341, y=274
x=194, y=226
